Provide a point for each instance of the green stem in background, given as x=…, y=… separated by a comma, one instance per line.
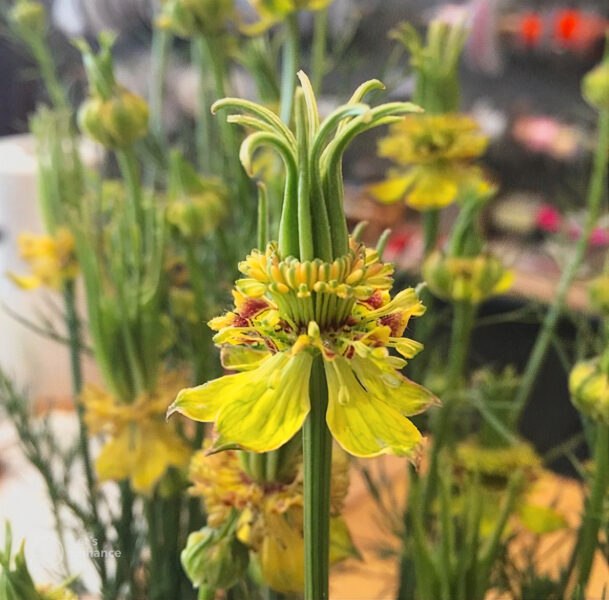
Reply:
x=431, y=220
x=43, y=55
x=317, y=459
x=73, y=324
x=318, y=50
x=207, y=160
x=463, y=322
x=233, y=171
x=596, y=192
x=161, y=42
x=130, y=171
x=289, y=66
x=592, y=519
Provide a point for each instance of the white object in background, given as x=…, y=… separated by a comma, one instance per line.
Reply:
x=37, y=363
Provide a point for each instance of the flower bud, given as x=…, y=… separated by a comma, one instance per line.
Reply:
x=595, y=86
x=465, y=279
x=589, y=388
x=188, y=18
x=214, y=558
x=116, y=122
x=29, y=17
x=598, y=295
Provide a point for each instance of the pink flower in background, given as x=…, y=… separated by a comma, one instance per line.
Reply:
x=599, y=237
x=548, y=218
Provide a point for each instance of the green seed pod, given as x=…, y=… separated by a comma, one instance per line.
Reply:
x=214, y=558
x=116, y=122
x=29, y=17
x=589, y=388
x=595, y=86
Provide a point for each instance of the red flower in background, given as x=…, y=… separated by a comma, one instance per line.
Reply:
x=567, y=26
x=548, y=218
x=531, y=28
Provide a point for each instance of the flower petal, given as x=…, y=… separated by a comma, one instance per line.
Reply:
x=391, y=190
x=264, y=408
x=383, y=382
x=362, y=423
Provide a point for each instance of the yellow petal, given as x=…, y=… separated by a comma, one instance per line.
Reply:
x=541, y=519
x=362, y=423
x=434, y=188
x=116, y=457
x=282, y=555
x=202, y=403
x=242, y=358
x=25, y=282
x=385, y=383
x=391, y=190
x=264, y=408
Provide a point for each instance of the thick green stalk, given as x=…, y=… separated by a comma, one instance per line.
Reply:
x=317, y=458
x=289, y=66
x=596, y=192
x=130, y=170
x=588, y=537
x=318, y=50
x=48, y=71
x=463, y=322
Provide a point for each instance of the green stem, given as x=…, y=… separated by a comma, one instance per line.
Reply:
x=588, y=538
x=431, y=219
x=161, y=42
x=317, y=459
x=233, y=171
x=596, y=192
x=48, y=71
x=73, y=324
x=289, y=66
x=207, y=159
x=463, y=322
x=130, y=170
x=318, y=51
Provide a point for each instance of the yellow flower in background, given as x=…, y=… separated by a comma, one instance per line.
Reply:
x=289, y=313
x=270, y=520
x=598, y=294
x=52, y=260
x=274, y=11
x=464, y=278
x=434, y=153
x=140, y=445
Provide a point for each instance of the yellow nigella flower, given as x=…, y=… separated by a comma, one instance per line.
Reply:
x=288, y=312
x=470, y=279
x=51, y=258
x=437, y=151
x=271, y=514
x=140, y=445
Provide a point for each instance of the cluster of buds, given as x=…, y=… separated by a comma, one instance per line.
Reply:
x=466, y=279
x=112, y=115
